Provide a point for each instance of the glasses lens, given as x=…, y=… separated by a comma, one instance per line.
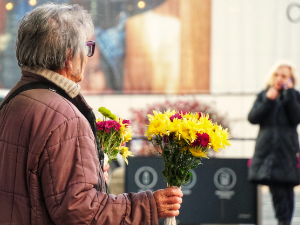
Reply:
x=89, y=54
x=91, y=48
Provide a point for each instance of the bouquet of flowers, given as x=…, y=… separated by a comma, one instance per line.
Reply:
x=184, y=139
x=113, y=133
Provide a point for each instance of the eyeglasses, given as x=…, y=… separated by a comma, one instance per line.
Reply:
x=91, y=48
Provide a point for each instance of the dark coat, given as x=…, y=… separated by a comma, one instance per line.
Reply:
x=277, y=146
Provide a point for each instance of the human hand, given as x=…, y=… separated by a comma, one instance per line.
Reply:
x=288, y=83
x=272, y=93
x=105, y=169
x=168, y=202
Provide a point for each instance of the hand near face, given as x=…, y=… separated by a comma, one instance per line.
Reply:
x=288, y=83
x=168, y=202
x=272, y=93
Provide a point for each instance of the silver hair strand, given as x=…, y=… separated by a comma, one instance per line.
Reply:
x=52, y=34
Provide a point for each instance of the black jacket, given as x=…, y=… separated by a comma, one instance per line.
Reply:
x=277, y=146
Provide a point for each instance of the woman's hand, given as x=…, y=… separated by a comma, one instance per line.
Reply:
x=288, y=83
x=272, y=93
x=168, y=202
x=105, y=168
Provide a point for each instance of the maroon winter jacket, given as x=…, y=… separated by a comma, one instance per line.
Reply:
x=49, y=166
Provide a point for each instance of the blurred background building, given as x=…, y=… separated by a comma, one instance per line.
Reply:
x=216, y=52
x=211, y=55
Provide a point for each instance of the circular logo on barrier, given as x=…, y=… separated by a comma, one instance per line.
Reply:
x=191, y=182
x=225, y=179
x=145, y=177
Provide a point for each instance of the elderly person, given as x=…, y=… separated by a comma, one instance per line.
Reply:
x=50, y=172
x=277, y=112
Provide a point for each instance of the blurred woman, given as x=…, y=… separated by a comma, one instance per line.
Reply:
x=277, y=112
x=50, y=172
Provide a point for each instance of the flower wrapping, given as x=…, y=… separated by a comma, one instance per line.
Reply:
x=113, y=132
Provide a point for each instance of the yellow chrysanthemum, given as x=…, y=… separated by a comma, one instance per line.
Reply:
x=205, y=123
x=125, y=131
x=219, y=138
x=125, y=153
x=198, y=152
x=159, y=124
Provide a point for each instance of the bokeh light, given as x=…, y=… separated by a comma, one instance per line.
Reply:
x=32, y=2
x=9, y=6
x=141, y=4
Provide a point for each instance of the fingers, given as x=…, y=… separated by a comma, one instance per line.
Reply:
x=173, y=200
x=168, y=210
x=106, y=176
x=106, y=167
x=272, y=93
x=168, y=202
x=172, y=192
x=289, y=84
x=165, y=214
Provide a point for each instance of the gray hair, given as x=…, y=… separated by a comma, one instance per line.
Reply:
x=52, y=34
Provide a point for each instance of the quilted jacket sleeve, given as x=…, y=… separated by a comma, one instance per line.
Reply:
x=261, y=108
x=68, y=171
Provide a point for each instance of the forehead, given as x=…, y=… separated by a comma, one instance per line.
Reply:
x=284, y=70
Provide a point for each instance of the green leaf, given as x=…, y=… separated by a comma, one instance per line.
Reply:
x=107, y=113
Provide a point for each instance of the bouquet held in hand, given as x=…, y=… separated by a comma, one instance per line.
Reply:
x=113, y=133
x=184, y=139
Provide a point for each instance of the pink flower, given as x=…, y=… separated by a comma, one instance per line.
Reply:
x=127, y=122
x=202, y=140
x=100, y=125
x=197, y=142
x=183, y=112
x=177, y=115
x=111, y=124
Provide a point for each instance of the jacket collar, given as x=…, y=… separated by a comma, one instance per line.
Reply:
x=70, y=87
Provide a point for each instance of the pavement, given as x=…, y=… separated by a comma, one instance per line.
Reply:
x=268, y=216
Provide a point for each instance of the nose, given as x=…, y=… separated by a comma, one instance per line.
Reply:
x=279, y=78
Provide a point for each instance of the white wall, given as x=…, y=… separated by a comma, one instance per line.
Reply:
x=248, y=36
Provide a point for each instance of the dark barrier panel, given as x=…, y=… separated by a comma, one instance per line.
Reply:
x=219, y=192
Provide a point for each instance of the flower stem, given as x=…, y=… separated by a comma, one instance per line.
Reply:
x=188, y=170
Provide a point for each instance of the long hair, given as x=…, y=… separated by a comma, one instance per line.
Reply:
x=52, y=34
x=274, y=68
